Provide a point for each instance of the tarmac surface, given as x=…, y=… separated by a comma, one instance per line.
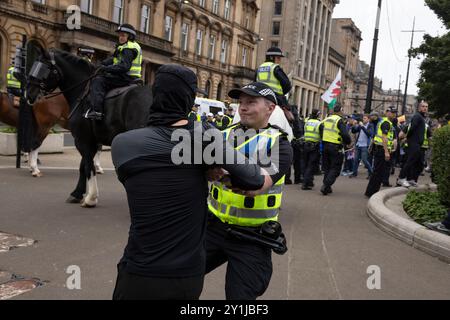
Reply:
x=333, y=245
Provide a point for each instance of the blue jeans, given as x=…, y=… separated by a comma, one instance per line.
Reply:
x=362, y=153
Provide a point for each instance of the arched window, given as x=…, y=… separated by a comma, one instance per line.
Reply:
x=219, y=91
x=208, y=88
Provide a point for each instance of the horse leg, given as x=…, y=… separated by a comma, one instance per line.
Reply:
x=98, y=167
x=91, y=198
x=77, y=195
x=33, y=161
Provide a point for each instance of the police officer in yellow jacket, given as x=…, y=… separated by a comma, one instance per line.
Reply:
x=12, y=84
x=234, y=213
x=311, y=149
x=120, y=70
x=383, y=144
x=271, y=73
x=334, y=137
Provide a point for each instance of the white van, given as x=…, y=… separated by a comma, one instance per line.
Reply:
x=209, y=106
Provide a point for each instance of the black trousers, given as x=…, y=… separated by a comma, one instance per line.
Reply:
x=14, y=91
x=249, y=268
x=135, y=287
x=311, y=158
x=387, y=171
x=332, y=160
x=414, y=163
x=99, y=88
x=379, y=170
x=297, y=162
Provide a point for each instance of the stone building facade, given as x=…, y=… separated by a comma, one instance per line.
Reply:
x=215, y=38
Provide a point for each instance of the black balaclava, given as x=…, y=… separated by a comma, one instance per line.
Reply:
x=173, y=95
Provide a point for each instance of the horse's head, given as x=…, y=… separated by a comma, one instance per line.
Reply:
x=43, y=78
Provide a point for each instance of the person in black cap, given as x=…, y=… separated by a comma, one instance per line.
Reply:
x=237, y=217
x=335, y=137
x=122, y=69
x=193, y=115
x=164, y=257
x=271, y=73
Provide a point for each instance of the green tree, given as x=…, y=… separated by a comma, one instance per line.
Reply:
x=434, y=84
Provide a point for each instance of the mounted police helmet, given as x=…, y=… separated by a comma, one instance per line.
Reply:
x=274, y=52
x=128, y=28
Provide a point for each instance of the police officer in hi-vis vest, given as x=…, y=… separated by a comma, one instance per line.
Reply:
x=383, y=144
x=311, y=149
x=335, y=137
x=12, y=84
x=237, y=217
x=271, y=73
x=120, y=70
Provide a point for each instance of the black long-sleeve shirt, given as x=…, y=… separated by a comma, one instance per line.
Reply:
x=168, y=202
x=416, y=132
x=346, y=139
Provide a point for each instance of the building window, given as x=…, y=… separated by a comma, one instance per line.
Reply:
x=244, y=56
x=202, y=3
x=184, y=36
x=168, y=28
x=278, y=8
x=227, y=9
x=224, y=51
x=199, y=42
x=215, y=8
x=276, y=28
x=145, y=19
x=118, y=11
x=86, y=6
x=212, y=47
x=219, y=91
x=39, y=1
x=274, y=44
x=208, y=88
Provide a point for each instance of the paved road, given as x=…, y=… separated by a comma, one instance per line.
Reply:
x=331, y=241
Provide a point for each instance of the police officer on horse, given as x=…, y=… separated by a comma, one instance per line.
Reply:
x=120, y=70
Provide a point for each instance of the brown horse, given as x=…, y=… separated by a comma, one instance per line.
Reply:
x=47, y=113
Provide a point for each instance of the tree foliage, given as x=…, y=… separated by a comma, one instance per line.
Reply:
x=434, y=83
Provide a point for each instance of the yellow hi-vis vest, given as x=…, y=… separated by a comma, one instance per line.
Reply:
x=12, y=82
x=220, y=122
x=198, y=118
x=265, y=74
x=378, y=140
x=136, y=66
x=236, y=209
x=331, y=132
x=312, y=130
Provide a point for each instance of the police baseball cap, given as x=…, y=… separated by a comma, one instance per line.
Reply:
x=392, y=109
x=255, y=89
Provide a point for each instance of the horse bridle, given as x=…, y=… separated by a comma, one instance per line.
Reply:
x=40, y=72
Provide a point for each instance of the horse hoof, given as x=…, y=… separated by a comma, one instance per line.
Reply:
x=72, y=199
x=89, y=204
x=37, y=174
x=99, y=171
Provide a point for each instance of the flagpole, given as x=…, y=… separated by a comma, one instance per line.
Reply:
x=373, y=62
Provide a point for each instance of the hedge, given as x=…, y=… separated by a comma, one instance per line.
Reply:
x=441, y=163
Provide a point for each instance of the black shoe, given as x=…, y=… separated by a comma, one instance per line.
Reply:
x=324, y=190
x=387, y=185
x=352, y=176
x=306, y=188
x=93, y=115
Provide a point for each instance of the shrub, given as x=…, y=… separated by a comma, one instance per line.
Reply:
x=424, y=207
x=441, y=163
x=8, y=130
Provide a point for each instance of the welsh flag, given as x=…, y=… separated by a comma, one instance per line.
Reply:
x=330, y=96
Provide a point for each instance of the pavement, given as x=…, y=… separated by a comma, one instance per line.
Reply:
x=335, y=250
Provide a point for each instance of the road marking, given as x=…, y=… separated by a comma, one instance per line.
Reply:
x=331, y=272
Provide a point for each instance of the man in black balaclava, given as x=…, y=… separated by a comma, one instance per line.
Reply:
x=164, y=257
